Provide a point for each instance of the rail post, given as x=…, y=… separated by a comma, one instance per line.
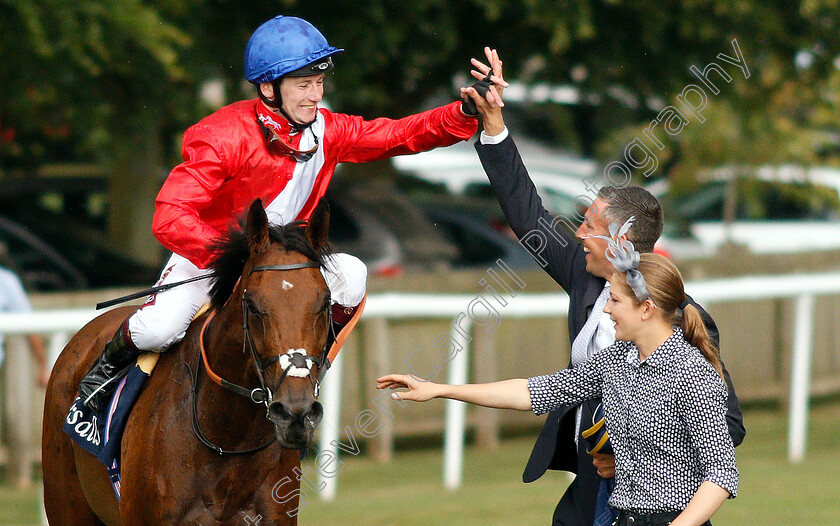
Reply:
x=19, y=394
x=456, y=413
x=800, y=378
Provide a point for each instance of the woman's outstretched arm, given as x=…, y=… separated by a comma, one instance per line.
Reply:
x=507, y=394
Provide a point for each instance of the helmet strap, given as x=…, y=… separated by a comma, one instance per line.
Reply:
x=274, y=103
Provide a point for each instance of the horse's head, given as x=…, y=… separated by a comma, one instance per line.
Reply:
x=286, y=318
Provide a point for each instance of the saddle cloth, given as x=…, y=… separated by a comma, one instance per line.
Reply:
x=100, y=433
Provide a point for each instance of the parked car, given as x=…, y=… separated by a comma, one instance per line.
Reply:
x=481, y=236
x=392, y=228
x=68, y=214
x=380, y=226
x=559, y=178
x=38, y=264
x=773, y=211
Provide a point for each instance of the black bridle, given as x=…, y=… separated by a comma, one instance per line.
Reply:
x=261, y=394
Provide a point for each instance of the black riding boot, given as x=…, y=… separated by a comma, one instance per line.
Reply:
x=103, y=377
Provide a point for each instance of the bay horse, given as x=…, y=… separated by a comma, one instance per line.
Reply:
x=269, y=297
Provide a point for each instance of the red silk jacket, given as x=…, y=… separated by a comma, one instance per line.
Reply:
x=226, y=166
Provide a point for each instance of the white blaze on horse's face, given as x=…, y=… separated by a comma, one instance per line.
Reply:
x=286, y=285
x=296, y=370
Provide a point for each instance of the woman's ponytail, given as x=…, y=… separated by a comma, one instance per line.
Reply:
x=696, y=334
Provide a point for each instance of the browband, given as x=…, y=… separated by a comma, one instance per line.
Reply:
x=290, y=266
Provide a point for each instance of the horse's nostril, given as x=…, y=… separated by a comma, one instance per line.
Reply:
x=314, y=416
x=277, y=413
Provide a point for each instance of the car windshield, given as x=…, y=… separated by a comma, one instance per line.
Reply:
x=757, y=200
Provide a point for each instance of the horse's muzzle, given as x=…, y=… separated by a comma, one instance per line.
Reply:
x=295, y=428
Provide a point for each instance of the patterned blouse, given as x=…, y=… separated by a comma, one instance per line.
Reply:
x=666, y=417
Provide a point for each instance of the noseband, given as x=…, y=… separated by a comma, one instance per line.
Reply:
x=291, y=361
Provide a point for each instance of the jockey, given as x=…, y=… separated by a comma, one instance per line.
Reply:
x=280, y=147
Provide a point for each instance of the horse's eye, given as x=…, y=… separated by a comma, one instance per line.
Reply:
x=252, y=307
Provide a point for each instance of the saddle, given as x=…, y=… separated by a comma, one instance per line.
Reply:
x=100, y=432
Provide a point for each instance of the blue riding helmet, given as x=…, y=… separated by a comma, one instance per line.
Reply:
x=286, y=45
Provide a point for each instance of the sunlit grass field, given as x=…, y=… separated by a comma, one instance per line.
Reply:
x=409, y=490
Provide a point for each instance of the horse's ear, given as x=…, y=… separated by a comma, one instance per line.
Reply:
x=256, y=228
x=319, y=224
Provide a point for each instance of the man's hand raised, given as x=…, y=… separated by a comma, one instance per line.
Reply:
x=489, y=105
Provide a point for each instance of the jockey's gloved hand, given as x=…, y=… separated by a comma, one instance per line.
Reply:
x=482, y=87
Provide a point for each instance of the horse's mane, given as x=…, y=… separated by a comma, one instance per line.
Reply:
x=232, y=252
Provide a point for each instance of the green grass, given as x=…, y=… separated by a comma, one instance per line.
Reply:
x=19, y=507
x=408, y=491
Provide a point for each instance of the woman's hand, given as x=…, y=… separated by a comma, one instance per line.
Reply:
x=507, y=394
x=418, y=390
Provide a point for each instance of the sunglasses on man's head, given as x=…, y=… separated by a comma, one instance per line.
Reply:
x=277, y=146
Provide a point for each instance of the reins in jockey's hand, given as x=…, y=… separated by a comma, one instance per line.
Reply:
x=482, y=87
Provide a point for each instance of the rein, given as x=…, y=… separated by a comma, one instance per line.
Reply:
x=262, y=394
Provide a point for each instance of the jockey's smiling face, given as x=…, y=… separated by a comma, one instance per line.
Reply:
x=300, y=96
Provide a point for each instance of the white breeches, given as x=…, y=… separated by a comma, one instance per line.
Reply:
x=164, y=319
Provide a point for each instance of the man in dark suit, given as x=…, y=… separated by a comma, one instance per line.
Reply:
x=578, y=264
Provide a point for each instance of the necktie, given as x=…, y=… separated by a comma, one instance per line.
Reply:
x=580, y=347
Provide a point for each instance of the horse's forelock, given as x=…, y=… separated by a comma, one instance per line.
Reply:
x=232, y=252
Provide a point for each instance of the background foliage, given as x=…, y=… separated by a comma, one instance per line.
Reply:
x=71, y=70
x=115, y=83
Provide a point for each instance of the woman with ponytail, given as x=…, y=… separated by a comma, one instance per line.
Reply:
x=664, y=399
x=665, y=286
